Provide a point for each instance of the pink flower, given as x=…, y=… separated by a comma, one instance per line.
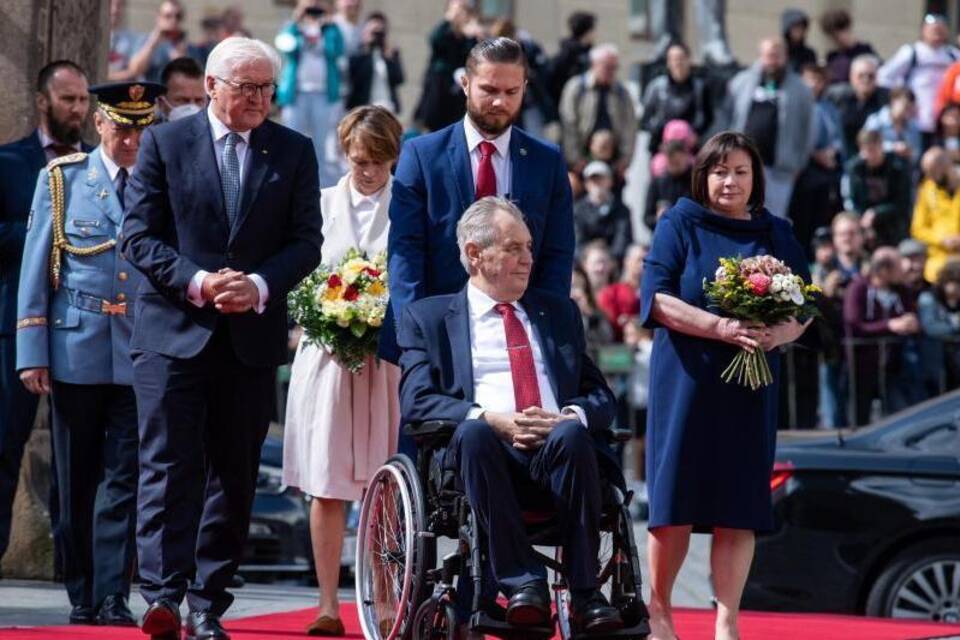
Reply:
x=759, y=283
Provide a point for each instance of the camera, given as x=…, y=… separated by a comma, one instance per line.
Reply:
x=315, y=12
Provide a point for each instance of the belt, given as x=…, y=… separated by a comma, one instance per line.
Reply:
x=96, y=304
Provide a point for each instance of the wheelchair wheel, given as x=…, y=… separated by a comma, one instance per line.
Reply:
x=390, y=551
x=435, y=620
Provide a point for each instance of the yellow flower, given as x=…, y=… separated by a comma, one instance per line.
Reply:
x=376, y=289
x=332, y=293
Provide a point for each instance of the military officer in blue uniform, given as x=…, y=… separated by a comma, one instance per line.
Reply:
x=74, y=318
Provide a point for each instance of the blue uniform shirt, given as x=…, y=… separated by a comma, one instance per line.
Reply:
x=80, y=330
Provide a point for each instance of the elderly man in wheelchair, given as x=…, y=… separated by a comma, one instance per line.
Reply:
x=504, y=369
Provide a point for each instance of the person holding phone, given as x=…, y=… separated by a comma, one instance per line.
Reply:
x=309, y=91
x=375, y=70
x=167, y=41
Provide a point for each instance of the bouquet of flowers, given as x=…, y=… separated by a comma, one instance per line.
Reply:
x=763, y=290
x=342, y=309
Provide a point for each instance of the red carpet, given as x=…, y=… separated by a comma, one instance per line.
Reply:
x=693, y=625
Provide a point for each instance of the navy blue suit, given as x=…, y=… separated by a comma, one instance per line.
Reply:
x=20, y=163
x=432, y=188
x=204, y=380
x=437, y=383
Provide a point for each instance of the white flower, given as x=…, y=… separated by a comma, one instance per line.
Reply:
x=796, y=296
x=777, y=285
x=720, y=273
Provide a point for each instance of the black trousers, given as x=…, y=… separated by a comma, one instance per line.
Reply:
x=18, y=408
x=95, y=457
x=501, y=482
x=202, y=424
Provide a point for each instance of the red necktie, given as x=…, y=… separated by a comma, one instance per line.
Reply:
x=486, y=176
x=526, y=389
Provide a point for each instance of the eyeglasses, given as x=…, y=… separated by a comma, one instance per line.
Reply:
x=251, y=89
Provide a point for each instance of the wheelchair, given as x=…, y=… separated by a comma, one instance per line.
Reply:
x=404, y=594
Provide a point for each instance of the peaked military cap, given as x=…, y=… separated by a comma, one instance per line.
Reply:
x=129, y=104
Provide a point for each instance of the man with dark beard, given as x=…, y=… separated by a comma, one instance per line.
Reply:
x=440, y=174
x=62, y=104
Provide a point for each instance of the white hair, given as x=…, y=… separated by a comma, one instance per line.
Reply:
x=601, y=51
x=865, y=59
x=236, y=51
x=476, y=224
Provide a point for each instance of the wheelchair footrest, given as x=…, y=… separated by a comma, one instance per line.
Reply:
x=638, y=631
x=482, y=622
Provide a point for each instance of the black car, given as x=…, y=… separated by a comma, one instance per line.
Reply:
x=278, y=544
x=867, y=522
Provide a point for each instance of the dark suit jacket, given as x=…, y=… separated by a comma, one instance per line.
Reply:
x=432, y=188
x=437, y=380
x=176, y=224
x=361, y=78
x=20, y=162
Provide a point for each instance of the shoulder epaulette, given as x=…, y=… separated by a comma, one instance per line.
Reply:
x=79, y=156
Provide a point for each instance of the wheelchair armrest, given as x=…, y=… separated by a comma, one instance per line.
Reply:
x=430, y=429
x=620, y=436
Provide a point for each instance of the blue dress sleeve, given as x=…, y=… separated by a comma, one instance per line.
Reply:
x=662, y=267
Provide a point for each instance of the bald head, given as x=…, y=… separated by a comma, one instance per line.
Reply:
x=773, y=55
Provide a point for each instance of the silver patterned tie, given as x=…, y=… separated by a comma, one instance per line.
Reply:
x=230, y=177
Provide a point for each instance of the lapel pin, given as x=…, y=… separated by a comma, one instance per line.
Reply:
x=103, y=193
x=523, y=151
x=263, y=151
x=92, y=174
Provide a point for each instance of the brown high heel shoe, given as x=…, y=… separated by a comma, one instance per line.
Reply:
x=326, y=626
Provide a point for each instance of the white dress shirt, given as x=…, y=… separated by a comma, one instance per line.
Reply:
x=501, y=159
x=492, y=377
x=46, y=141
x=363, y=209
x=113, y=168
x=220, y=131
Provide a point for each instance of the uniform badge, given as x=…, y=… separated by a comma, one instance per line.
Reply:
x=103, y=193
x=136, y=92
x=92, y=174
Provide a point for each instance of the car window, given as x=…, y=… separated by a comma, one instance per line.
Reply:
x=941, y=439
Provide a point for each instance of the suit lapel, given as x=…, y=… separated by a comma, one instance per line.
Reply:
x=543, y=327
x=206, y=172
x=457, y=321
x=460, y=163
x=38, y=158
x=257, y=163
x=518, y=161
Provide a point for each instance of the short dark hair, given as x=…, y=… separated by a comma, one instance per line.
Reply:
x=581, y=22
x=869, y=136
x=814, y=68
x=376, y=15
x=834, y=20
x=185, y=65
x=949, y=272
x=498, y=50
x=714, y=152
x=681, y=45
x=902, y=92
x=46, y=73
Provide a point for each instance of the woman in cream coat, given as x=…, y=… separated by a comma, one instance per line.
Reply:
x=341, y=427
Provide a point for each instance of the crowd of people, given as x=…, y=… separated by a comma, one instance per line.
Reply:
x=854, y=159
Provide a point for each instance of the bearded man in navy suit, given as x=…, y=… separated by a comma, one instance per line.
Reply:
x=440, y=174
x=508, y=364
x=223, y=218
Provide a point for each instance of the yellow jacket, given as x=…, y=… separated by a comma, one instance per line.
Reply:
x=936, y=216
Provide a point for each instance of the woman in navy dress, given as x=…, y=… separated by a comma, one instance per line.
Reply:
x=710, y=445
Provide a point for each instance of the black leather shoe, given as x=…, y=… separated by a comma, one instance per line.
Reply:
x=593, y=614
x=203, y=625
x=529, y=605
x=162, y=621
x=82, y=614
x=114, y=612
